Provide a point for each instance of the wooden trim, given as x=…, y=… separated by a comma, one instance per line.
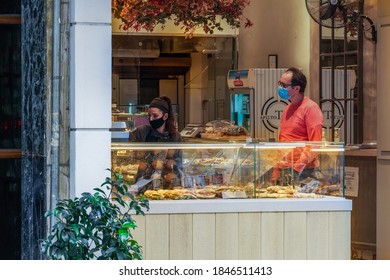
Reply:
x=10, y=153
x=10, y=19
x=158, y=62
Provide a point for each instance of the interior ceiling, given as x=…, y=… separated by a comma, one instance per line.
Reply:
x=136, y=55
x=140, y=46
x=155, y=56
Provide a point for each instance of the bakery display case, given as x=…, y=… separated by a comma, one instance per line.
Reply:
x=183, y=171
x=239, y=200
x=312, y=169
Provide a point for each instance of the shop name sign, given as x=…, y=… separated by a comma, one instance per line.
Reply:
x=271, y=114
x=338, y=117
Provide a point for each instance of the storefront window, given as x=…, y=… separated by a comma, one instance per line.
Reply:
x=191, y=71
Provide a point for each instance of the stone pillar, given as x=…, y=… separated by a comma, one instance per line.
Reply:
x=34, y=63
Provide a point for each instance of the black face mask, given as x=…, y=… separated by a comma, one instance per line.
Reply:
x=157, y=123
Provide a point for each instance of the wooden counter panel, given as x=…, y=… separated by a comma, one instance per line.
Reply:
x=249, y=225
x=180, y=237
x=267, y=235
x=295, y=235
x=339, y=235
x=271, y=238
x=226, y=236
x=156, y=231
x=204, y=243
x=317, y=235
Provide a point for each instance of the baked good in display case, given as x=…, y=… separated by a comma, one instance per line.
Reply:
x=224, y=130
x=187, y=171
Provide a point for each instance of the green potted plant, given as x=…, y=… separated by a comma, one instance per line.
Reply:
x=96, y=225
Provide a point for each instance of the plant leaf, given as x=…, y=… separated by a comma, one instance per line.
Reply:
x=123, y=234
x=75, y=228
x=129, y=224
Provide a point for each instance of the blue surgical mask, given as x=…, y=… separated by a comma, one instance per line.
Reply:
x=283, y=93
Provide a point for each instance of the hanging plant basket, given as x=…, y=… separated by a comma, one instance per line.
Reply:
x=190, y=14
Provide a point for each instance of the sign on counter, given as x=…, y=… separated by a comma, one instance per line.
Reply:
x=351, y=181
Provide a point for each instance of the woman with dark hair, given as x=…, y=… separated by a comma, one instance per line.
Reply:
x=162, y=124
x=160, y=168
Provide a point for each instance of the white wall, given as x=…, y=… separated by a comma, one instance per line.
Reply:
x=383, y=151
x=196, y=88
x=279, y=27
x=90, y=94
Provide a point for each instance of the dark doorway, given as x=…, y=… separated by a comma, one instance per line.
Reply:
x=10, y=130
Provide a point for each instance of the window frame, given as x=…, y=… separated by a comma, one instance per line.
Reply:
x=352, y=133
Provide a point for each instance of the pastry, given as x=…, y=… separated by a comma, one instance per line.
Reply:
x=205, y=194
x=158, y=164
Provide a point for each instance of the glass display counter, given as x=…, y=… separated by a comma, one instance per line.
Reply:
x=239, y=200
x=180, y=171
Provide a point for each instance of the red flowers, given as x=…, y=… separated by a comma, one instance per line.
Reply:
x=191, y=14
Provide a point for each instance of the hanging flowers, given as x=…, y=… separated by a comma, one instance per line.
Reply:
x=349, y=17
x=190, y=14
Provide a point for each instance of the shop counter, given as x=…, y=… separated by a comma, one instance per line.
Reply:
x=246, y=229
x=296, y=217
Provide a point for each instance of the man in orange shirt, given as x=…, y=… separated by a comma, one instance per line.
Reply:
x=301, y=121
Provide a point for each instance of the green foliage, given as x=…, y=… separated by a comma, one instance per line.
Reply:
x=96, y=225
